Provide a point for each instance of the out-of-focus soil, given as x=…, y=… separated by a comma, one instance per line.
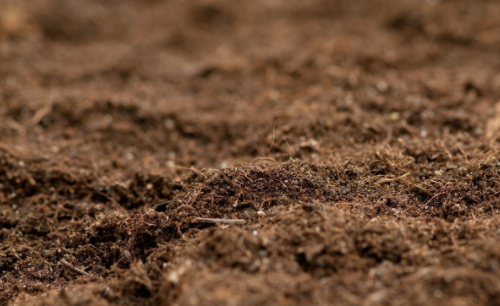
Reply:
x=357, y=140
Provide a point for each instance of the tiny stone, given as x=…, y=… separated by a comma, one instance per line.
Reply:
x=394, y=116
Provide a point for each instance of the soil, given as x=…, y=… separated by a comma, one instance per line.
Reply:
x=358, y=142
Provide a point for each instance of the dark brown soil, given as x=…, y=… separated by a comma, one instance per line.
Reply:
x=357, y=140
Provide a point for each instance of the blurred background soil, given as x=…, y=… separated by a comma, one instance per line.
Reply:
x=358, y=141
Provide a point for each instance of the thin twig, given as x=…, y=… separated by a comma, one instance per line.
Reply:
x=73, y=268
x=192, y=169
x=435, y=196
x=394, y=179
x=41, y=113
x=272, y=159
x=289, y=147
x=221, y=221
x=274, y=136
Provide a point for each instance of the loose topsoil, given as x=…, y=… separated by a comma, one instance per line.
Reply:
x=358, y=141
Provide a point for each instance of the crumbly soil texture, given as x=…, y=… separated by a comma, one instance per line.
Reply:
x=218, y=152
